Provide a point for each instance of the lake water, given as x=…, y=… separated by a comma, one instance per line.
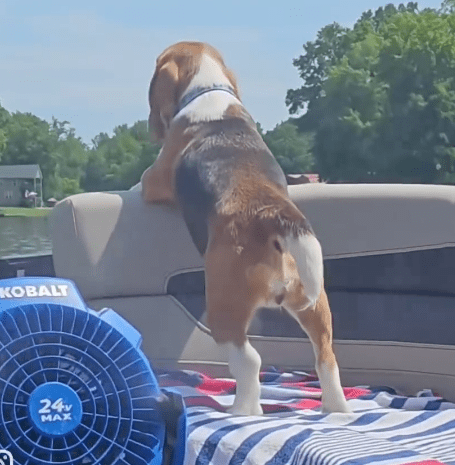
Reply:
x=21, y=236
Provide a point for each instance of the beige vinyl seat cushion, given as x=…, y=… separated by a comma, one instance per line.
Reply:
x=121, y=253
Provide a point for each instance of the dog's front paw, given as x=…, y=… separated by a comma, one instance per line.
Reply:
x=245, y=410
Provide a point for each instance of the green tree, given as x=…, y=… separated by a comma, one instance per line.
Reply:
x=382, y=104
x=293, y=150
x=5, y=119
x=70, y=157
x=448, y=6
x=61, y=156
x=30, y=140
x=68, y=165
x=117, y=162
x=332, y=43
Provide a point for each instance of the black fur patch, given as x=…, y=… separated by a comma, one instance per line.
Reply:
x=196, y=200
x=208, y=165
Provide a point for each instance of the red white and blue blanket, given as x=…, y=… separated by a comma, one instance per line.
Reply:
x=384, y=428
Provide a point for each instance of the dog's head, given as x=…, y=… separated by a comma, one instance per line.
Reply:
x=175, y=69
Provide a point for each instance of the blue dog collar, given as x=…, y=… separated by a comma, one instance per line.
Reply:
x=198, y=91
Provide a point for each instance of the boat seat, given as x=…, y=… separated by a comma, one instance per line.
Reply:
x=139, y=260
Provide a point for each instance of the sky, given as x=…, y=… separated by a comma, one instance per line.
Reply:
x=90, y=62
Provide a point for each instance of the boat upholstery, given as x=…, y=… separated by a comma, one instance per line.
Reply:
x=134, y=258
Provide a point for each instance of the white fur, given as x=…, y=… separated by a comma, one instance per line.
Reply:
x=212, y=105
x=333, y=399
x=210, y=73
x=244, y=365
x=307, y=253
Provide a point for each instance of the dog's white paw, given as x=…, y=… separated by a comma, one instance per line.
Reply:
x=245, y=410
x=333, y=404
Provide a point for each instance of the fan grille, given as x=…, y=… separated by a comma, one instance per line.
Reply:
x=48, y=343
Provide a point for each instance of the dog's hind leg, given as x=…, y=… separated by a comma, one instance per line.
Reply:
x=230, y=307
x=244, y=365
x=244, y=360
x=317, y=323
x=306, y=300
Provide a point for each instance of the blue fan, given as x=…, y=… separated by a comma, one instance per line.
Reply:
x=75, y=387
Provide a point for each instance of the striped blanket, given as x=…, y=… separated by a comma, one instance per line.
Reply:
x=385, y=428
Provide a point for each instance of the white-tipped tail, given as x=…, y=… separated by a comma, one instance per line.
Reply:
x=307, y=253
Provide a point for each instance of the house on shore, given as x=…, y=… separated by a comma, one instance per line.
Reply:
x=18, y=183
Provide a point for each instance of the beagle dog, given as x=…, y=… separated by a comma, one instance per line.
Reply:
x=259, y=249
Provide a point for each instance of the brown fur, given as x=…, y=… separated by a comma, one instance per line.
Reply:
x=158, y=180
x=317, y=323
x=237, y=279
x=253, y=198
x=242, y=269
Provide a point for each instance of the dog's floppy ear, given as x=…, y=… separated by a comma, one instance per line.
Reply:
x=162, y=99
